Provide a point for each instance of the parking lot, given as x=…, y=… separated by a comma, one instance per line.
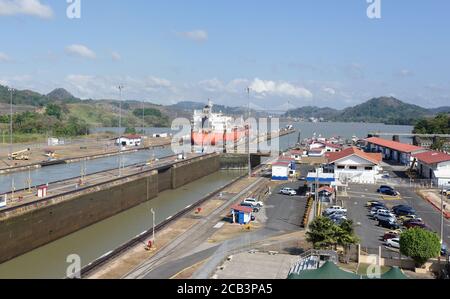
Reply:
x=284, y=212
x=367, y=229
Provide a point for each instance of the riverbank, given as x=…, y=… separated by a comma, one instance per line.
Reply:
x=85, y=149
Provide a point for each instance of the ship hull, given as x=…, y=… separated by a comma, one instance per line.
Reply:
x=217, y=138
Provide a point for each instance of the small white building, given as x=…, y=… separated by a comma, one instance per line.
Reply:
x=316, y=152
x=129, y=140
x=354, y=165
x=280, y=171
x=435, y=166
x=332, y=148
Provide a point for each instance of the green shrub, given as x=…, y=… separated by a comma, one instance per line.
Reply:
x=420, y=245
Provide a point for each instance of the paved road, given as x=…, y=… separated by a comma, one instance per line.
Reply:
x=285, y=213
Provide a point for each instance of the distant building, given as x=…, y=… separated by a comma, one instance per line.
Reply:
x=435, y=166
x=316, y=152
x=394, y=151
x=296, y=155
x=129, y=140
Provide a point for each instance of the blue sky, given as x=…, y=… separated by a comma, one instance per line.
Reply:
x=302, y=52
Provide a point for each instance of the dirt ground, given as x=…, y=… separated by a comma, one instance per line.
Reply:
x=92, y=146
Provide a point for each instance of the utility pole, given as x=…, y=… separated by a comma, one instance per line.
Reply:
x=11, y=90
x=120, y=87
x=248, y=130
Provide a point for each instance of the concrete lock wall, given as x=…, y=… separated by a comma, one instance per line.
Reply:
x=186, y=172
x=238, y=161
x=22, y=233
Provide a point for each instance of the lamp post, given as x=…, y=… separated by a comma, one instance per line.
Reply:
x=442, y=215
x=120, y=87
x=248, y=133
x=153, y=226
x=11, y=90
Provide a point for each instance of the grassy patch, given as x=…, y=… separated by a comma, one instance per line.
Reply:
x=362, y=269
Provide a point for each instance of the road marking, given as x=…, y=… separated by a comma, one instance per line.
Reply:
x=219, y=225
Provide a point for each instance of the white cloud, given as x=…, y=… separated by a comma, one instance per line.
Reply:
x=80, y=51
x=195, y=35
x=329, y=90
x=116, y=56
x=271, y=88
x=25, y=7
x=4, y=57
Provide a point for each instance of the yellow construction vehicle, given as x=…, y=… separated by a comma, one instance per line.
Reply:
x=20, y=155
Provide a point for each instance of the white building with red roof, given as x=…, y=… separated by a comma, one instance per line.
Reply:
x=354, y=165
x=394, y=151
x=435, y=166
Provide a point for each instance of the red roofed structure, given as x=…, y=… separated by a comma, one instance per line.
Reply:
x=434, y=166
x=432, y=157
x=375, y=158
x=354, y=165
x=394, y=151
x=394, y=145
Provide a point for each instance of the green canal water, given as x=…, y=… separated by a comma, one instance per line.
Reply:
x=49, y=261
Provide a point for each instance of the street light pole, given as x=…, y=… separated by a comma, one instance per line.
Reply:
x=11, y=90
x=120, y=87
x=153, y=226
x=248, y=137
x=442, y=215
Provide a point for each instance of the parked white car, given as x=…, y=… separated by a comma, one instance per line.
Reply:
x=375, y=211
x=333, y=209
x=288, y=191
x=254, y=202
x=393, y=243
x=386, y=217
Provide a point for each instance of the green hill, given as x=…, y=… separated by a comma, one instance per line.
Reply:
x=386, y=110
x=312, y=111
